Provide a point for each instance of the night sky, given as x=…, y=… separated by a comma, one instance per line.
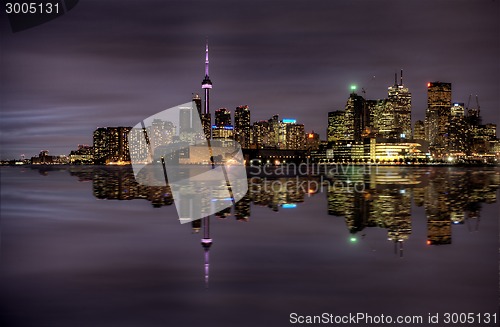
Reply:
x=112, y=63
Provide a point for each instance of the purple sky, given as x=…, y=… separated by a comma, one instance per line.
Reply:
x=112, y=63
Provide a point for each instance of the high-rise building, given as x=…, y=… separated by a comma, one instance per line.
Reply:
x=437, y=117
x=222, y=117
x=111, y=145
x=312, y=141
x=295, y=136
x=458, y=131
x=337, y=127
x=184, y=120
x=357, y=117
x=162, y=132
x=197, y=102
x=382, y=118
x=222, y=129
x=260, y=133
x=100, y=145
x=274, y=132
x=419, y=130
x=242, y=126
x=399, y=101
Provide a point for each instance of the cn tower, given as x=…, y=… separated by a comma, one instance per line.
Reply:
x=206, y=85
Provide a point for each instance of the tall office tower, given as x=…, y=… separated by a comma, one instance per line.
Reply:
x=197, y=102
x=357, y=117
x=184, y=120
x=283, y=138
x=274, y=131
x=437, y=116
x=399, y=100
x=337, y=126
x=205, y=120
x=242, y=126
x=419, y=130
x=100, y=145
x=223, y=129
x=162, y=132
x=382, y=118
x=222, y=117
x=206, y=85
x=295, y=136
x=458, y=130
x=260, y=133
x=111, y=145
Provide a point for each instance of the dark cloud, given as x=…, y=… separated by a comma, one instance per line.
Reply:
x=114, y=62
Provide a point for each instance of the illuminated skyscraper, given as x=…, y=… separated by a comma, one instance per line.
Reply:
x=242, y=126
x=197, y=102
x=312, y=141
x=100, y=145
x=356, y=116
x=111, y=145
x=419, y=130
x=382, y=118
x=222, y=117
x=337, y=126
x=437, y=117
x=458, y=131
x=184, y=120
x=222, y=129
x=274, y=131
x=399, y=101
x=260, y=133
x=295, y=136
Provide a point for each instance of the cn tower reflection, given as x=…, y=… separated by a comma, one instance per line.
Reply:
x=206, y=243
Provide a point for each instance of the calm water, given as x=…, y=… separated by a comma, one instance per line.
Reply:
x=87, y=246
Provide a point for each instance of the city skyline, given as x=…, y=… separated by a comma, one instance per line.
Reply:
x=81, y=77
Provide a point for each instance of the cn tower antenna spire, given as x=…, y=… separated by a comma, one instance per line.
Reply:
x=206, y=59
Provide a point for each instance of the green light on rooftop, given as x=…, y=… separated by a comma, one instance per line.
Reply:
x=353, y=240
x=353, y=87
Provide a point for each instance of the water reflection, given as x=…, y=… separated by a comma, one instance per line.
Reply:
x=381, y=198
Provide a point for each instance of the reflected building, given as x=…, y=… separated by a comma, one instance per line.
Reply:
x=242, y=208
x=376, y=199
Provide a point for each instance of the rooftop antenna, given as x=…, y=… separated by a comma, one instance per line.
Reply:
x=401, y=77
